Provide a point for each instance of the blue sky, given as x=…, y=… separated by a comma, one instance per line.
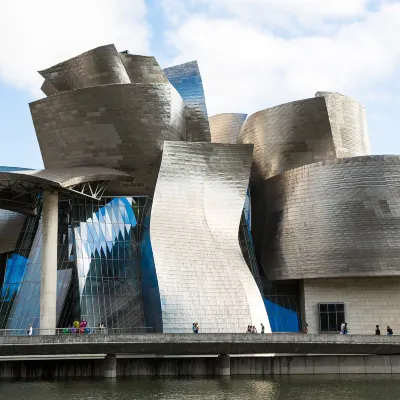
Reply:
x=252, y=54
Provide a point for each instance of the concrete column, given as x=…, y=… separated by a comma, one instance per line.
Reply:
x=224, y=365
x=48, y=278
x=110, y=366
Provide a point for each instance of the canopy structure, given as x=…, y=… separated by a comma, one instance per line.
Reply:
x=21, y=190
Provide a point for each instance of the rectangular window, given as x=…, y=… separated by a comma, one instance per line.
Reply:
x=331, y=316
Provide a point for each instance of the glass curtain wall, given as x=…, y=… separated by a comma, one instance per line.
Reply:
x=98, y=268
x=22, y=282
x=16, y=265
x=107, y=238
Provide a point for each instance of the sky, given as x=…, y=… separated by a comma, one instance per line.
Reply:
x=252, y=54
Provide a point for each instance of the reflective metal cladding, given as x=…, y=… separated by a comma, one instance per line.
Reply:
x=349, y=124
x=119, y=126
x=197, y=206
x=187, y=81
x=110, y=109
x=225, y=127
x=100, y=66
x=288, y=136
x=154, y=192
x=335, y=218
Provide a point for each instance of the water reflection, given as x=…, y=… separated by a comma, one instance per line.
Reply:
x=283, y=388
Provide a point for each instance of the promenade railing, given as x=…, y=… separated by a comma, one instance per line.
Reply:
x=75, y=331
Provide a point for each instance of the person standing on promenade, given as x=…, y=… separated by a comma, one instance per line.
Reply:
x=197, y=328
x=30, y=330
x=262, y=328
x=342, y=328
x=377, y=330
x=389, y=331
x=305, y=330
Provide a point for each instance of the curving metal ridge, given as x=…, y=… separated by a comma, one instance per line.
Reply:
x=225, y=127
x=187, y=81
x=349, y=124
x=116, y=126
x=288, y=136
x=99, y=66
x=143, y=69
x=202, y=275
x=331, y=219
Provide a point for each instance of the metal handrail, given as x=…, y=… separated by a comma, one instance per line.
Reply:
x=74, y=331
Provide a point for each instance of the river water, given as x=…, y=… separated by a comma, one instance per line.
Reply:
x=286, y=388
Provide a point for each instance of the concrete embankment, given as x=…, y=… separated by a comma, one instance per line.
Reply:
x=199, y=366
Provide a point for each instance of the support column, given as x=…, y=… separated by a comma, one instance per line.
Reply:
x=48, y=278
x=110, y=366
x=224, y=365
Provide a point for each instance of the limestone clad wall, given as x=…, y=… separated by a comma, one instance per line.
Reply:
x=368, y=302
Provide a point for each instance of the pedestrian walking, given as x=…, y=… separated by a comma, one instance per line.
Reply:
x=345, y=329
x=377, y=330
x=342, y=328
x=262, y=328
x=30, y=330
x=389, y=331
x=197, y=328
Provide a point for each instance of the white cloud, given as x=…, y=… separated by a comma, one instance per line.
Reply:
x=36, y=34
x=245, y=68
x=287, y=15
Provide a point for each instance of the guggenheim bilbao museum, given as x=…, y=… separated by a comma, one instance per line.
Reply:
x=149, y=214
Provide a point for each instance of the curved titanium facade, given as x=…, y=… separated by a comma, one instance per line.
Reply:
x=100, y=66
x=143, y=69
x=349, y=125
x=197, y=206
x=225, y=127
x=289, y=136
x=187, y=81
x=118, y=126
x=332, y=219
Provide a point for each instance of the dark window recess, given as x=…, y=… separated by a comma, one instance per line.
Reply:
x=331, y=315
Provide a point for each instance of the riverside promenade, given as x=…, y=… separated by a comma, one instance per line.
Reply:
x=151, y=354
x=201, y=344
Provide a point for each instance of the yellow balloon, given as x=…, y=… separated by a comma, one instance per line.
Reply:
x=76, y=324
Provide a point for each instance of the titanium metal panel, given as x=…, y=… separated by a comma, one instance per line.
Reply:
x=187, y=81
x=116, y=126
x=225, y=127
x=197, y=206
x=289, y=136
x=349, y=125
x=332, y=219
x=143, y=69
x=99, y=66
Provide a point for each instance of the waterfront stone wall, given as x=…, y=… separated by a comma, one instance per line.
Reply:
x=202, y=366
x=367, y=302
